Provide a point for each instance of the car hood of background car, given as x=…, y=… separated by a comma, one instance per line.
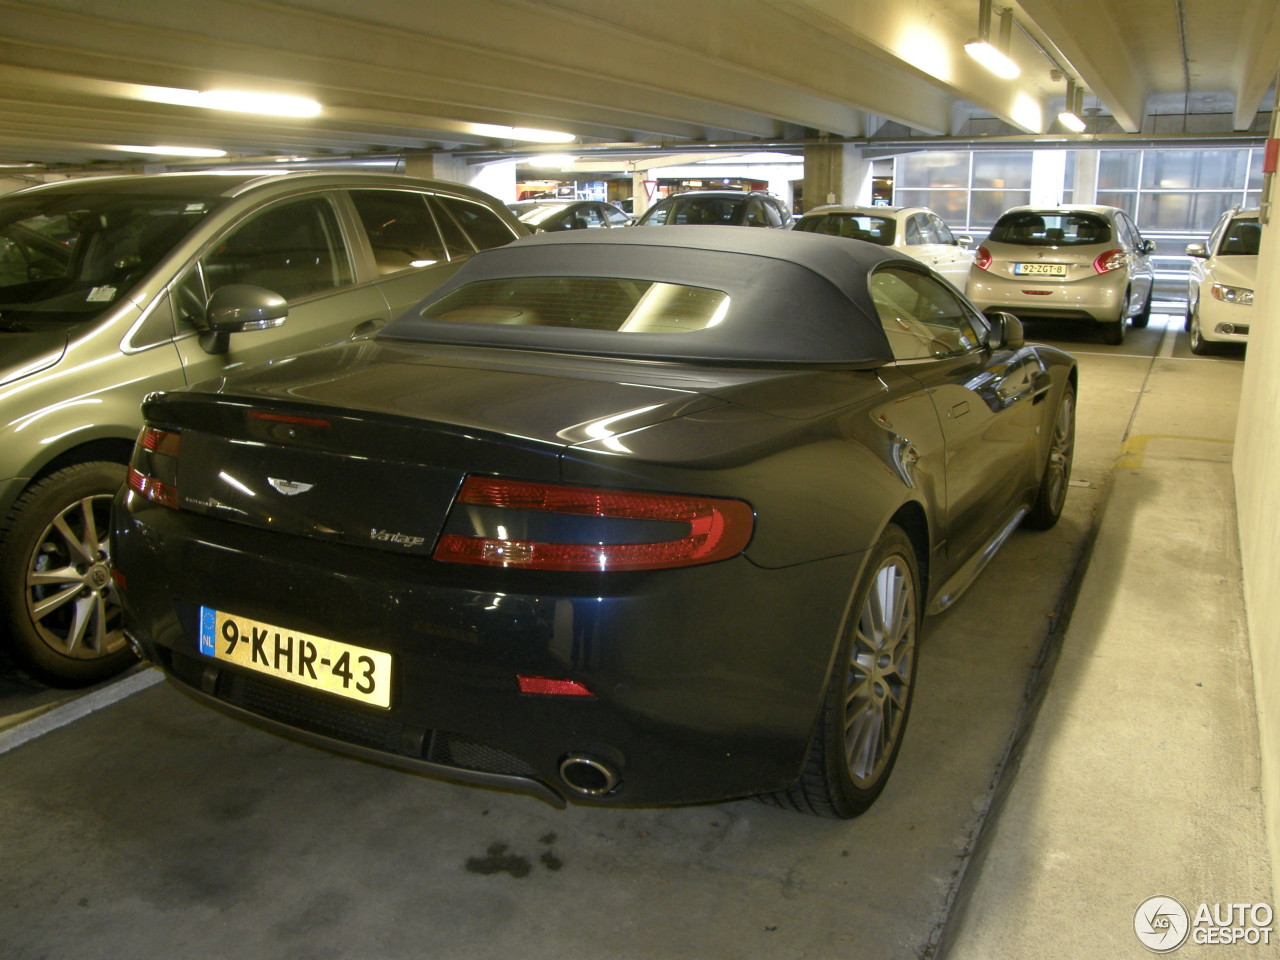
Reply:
x=1236, y=271
x=794, y=298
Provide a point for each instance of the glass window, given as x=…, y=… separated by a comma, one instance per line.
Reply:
x=294, y=249
x=755, y=215
x=1126, y=200
x=942, y=231
x=912, y=233
x=987, y=205
x=584, y=303
x=615, y=216
x=400, y=229
x=1187, y=212
x=591, y=218
x=1255, y=169
x=858, y=226
x=484, y=227
x=1045, y=228
x=933, y=169
x=1194, y=169
x=1242, y=238
x=1118, y=170
x=921, y=318
x=1002, y=169
x=951, y=205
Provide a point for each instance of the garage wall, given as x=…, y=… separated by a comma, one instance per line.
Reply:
x=1257, y=475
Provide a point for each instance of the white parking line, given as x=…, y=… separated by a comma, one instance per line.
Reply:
x=80, y=707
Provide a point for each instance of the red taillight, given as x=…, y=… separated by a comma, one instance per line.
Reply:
x=152, y=489
x=697, y=529
x=1111, y=260
x=153, y=472
x=166, y=442
x=982, y=259
x=552, y=687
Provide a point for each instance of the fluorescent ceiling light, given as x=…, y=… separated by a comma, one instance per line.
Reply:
x=529, y=134
x=1071, y=122
x=992, y=59
x=236, y=101
x=159, y=151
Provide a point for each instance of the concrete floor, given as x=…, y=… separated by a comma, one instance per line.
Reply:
x=149, y=827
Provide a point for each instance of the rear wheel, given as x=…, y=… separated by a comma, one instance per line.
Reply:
x=57, y=600
x=1056, y=475
x=1144, y=316
x=1113, y=331
x=869, y=695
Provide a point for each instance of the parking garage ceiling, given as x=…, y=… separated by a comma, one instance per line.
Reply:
x=82, y=79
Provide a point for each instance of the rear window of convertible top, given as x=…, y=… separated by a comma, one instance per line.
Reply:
x=584, y=303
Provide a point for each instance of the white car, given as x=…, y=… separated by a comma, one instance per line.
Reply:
x=916, y=231
x=1224, y=272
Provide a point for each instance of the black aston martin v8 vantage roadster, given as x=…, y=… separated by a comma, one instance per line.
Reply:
x=625, y=517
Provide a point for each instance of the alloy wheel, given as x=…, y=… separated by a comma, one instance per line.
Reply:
x=71, y=597
x=881, y=668
x=1061, y=449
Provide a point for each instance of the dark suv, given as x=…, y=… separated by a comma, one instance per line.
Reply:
x=725, y=207
x=111, y=288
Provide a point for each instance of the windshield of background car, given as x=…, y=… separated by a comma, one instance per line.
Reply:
x=1050, y=229
x=1242, y=238
x=534, y=213
x=855, y=226
x=68, y=256
x=584, y=303
x=698, y=210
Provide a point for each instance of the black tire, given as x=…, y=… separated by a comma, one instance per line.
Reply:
x=58, y=603
x=1143, y=317
x=1113, y=331
x=1199, y=345
x=1056, y=475
x=868, y=698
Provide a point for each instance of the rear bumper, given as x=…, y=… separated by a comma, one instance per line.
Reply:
x=1096, y=299
x=707, y=680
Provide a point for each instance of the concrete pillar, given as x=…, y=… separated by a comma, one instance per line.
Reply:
x=1048, y=170
x=1086, y=182
x=835, y=173
x=496, y=179
x=437, y=166
x=640, y=200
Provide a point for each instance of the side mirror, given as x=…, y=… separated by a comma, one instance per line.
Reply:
x=964, y=240
x=1147, y=246
x=1197, y=250
x=237, y=307
x=1008, y=331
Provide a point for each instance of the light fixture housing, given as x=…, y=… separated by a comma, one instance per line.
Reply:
x=994, y=58
x=1070, y=115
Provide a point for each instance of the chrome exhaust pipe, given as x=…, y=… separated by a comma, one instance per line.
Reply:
x=588, y=775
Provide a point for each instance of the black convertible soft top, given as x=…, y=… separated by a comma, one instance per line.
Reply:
x=795, y=298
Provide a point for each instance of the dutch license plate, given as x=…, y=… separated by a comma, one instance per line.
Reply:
x=317, y=662
x=1040, y=269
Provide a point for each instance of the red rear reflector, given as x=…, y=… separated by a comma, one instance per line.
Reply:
x=1038, y=293
x=982, y=259
x=283, y=418
x=120, y=579
x=551, y=687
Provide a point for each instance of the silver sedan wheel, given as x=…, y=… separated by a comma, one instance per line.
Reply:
x=881, y=669
x=71, y=597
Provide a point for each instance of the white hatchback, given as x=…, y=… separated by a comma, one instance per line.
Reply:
x=916, y=231
x=1224, y=272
